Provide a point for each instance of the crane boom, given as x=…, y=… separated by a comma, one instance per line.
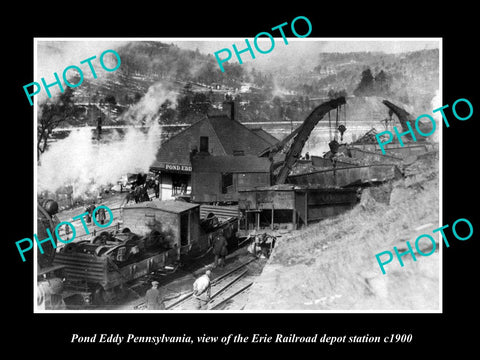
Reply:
x=405, y=117
x=301, y=135
x=281, y=144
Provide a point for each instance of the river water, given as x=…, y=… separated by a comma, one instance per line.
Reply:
x=317, y=143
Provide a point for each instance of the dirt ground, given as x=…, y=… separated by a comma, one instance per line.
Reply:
x=180, y=283
x=112, y=201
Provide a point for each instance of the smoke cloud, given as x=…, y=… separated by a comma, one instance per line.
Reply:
x=147, y=109
x=88, y=165
x=85, y=165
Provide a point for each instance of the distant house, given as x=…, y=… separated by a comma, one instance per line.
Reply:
x=245, y=88
x=216, y=135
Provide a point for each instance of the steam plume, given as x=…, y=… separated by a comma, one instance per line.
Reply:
x=87, y=165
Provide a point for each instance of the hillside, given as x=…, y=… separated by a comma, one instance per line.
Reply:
x=146, y=62
x=332, y=266
x=412, y=77
x=167, y=84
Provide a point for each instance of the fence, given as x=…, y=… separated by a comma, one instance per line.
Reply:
x=222, y=212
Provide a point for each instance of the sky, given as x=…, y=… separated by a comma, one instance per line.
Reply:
x=392, y=45
x=56, y=54
x=300, y=49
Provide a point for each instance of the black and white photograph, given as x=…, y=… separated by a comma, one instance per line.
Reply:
x=205, y=183
x=165, y=165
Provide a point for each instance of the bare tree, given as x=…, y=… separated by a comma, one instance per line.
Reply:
x=51, y=116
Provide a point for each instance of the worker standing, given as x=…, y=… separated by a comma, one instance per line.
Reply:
x=267, y=243
x=99, y=128
x=156, y=187
x=154, y=298
x=66, y=229
x=202, y=289
x=49, y=294
x=101, y=215
x=46, y=220
x=220, y=250
x=254, y=247
x=49, y=291
x=89, y=209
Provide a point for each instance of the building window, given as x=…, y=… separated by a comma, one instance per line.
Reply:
x=227, y=183
x=204, y=143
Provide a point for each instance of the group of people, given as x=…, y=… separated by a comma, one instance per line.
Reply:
x=100, y=214
x=139, y=192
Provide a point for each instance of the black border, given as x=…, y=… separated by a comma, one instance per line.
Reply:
x=431, y=332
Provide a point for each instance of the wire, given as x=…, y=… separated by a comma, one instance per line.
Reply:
x=336, y=123
x=330, y=126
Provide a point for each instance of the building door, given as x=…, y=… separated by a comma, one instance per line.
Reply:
x=184, y=229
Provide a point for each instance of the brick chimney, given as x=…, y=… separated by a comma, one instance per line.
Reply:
x=233, y=110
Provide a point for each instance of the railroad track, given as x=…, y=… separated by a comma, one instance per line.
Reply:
x=224, y=288
x=234, y=291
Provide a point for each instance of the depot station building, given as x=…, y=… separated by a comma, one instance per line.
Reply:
x=215, y=134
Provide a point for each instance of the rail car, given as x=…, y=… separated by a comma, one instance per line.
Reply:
x=155, y=235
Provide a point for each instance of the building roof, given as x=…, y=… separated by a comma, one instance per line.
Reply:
x=272, y=140
x=172, y=206
x=235, y=136
x=226, y=136
x=231, y=164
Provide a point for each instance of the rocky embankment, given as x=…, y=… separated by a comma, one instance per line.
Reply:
x=331, y=265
